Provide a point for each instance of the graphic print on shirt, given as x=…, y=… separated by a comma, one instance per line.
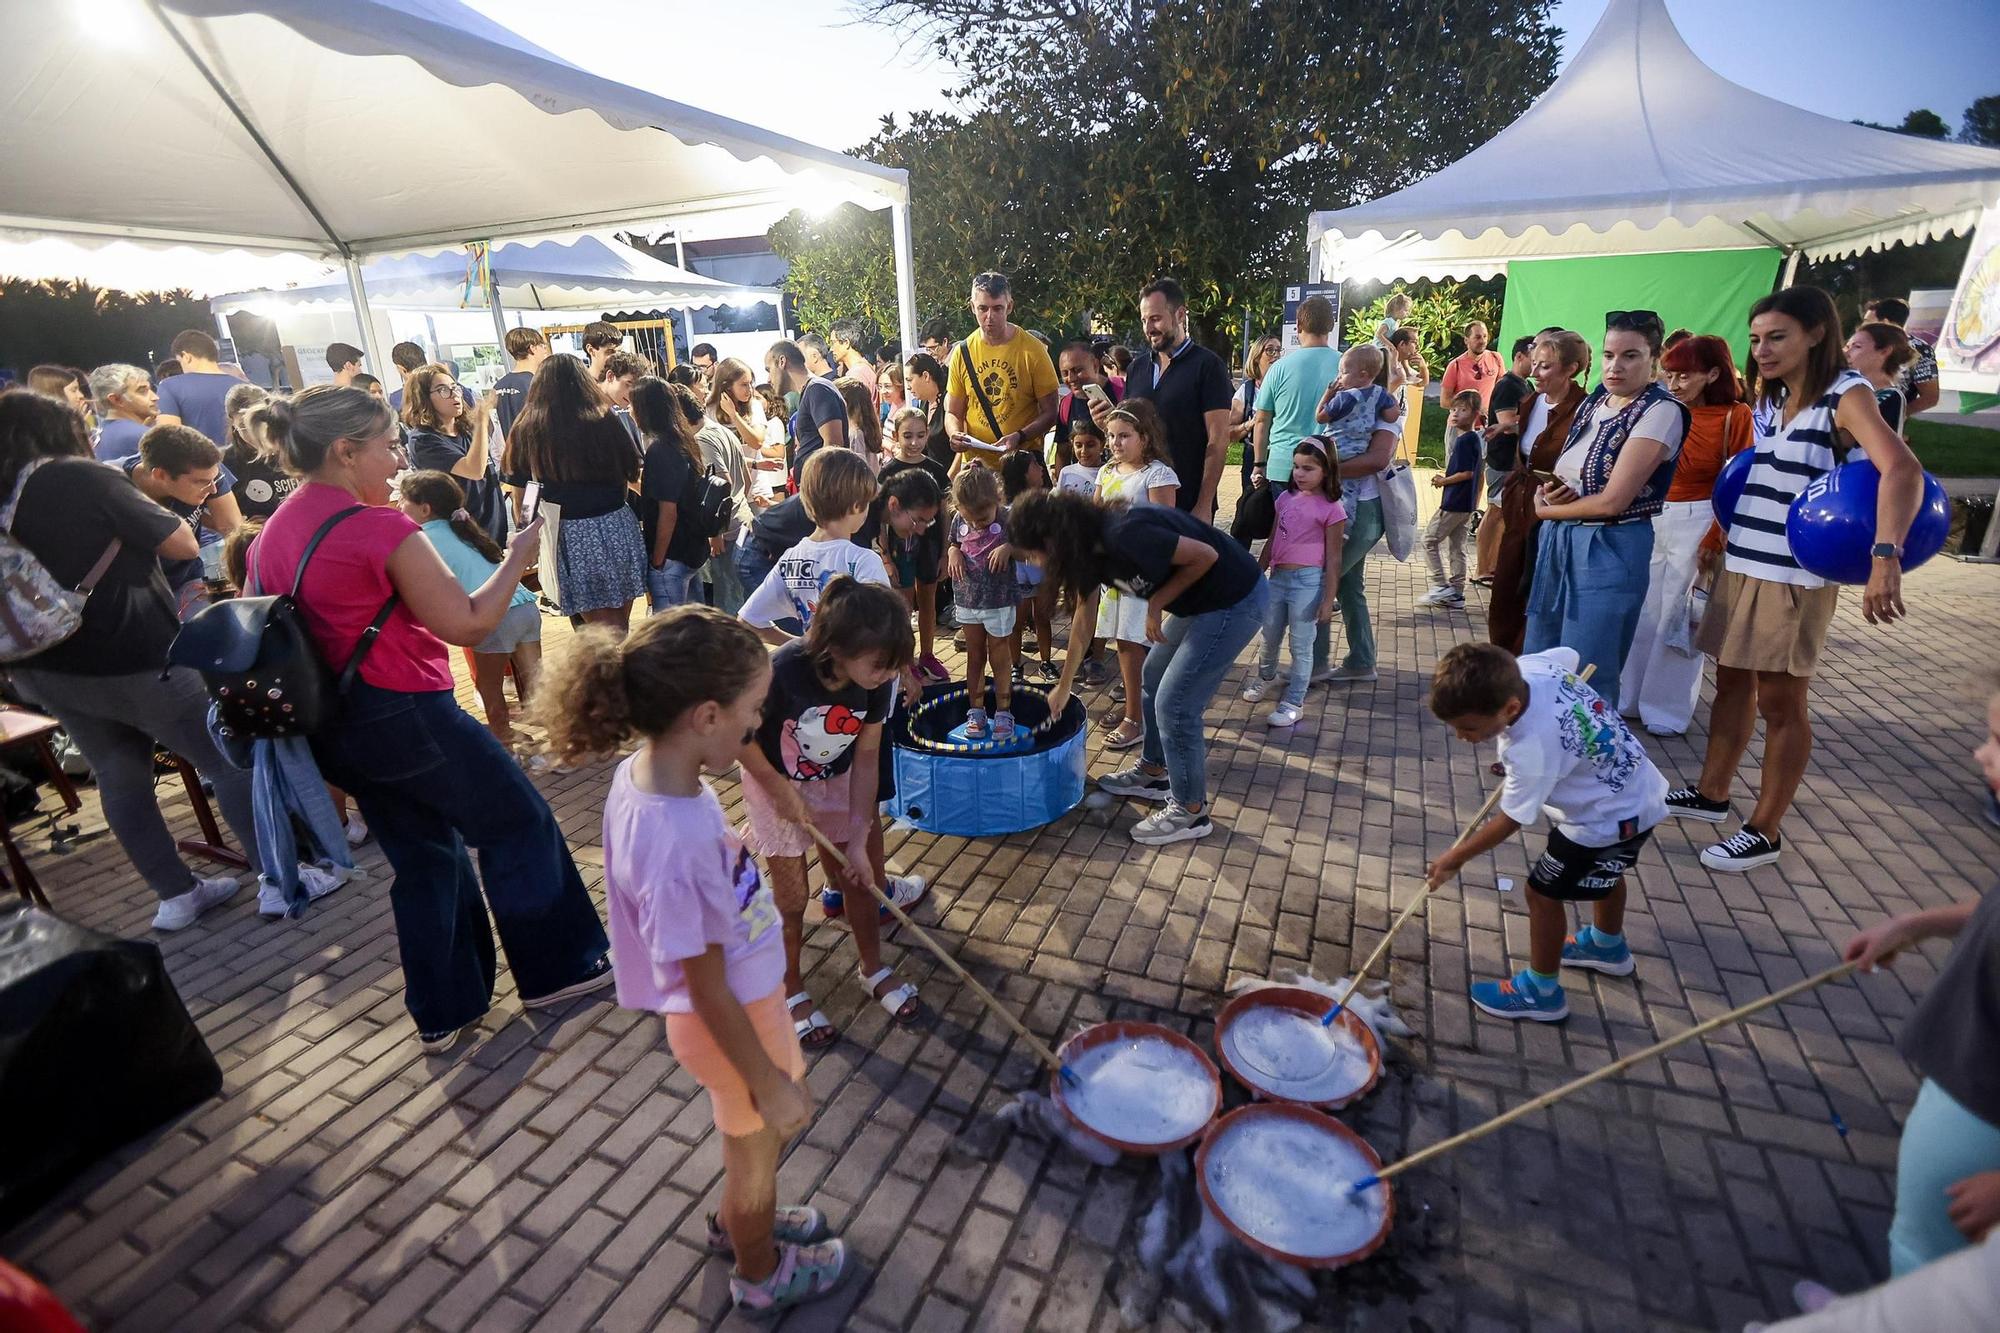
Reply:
x=802, y=575
x=1592, y=730
x=754, y=904
x=814, y=740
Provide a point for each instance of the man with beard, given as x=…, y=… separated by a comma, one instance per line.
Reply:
x=1190, y=387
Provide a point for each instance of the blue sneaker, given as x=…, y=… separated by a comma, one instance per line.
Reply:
x=1517, y=998
x=1586, y=949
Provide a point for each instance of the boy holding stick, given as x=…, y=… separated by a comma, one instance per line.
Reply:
x=1569, y=754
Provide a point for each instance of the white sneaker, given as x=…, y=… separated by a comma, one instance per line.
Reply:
x=1447, y=597
x=180, y=913
x=357, y=829
x=1253, y=691
x=318, y=883
x=1432, y=597
x=1284, y=715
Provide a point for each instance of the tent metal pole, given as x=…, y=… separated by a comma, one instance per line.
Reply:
x=493, y=304
x=1791, y=268
x=357, y=291
x=906, y=283
x=687, y=312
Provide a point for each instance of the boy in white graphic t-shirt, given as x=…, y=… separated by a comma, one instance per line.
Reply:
x=1568, y=754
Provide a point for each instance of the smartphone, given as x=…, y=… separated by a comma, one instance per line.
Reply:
x=531, y=500
x=1548, y=478
x=1096, y=393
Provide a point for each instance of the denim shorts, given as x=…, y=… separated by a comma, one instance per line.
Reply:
x=522, y=624
x=998, y=621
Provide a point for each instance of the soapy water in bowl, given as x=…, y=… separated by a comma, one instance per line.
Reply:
x=1295, y=1055
x=1140, y=1090
x=1289, y=1184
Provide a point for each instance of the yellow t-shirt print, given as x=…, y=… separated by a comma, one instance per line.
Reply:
x=1015, y=376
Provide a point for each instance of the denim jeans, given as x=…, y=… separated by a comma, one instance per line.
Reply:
x=431, y=782
x=1294, y=607
x=1590, y=583
x=1364, y=530
x=726, y=591
x=752, y=565
x=672, y=584
x=1179, y=679
x=116, y=721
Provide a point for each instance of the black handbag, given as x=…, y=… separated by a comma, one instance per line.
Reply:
x=1256, y=514
x=260, y=663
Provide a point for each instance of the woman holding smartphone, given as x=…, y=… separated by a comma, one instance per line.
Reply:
x=1557, y=365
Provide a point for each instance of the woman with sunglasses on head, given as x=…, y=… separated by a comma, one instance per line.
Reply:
x=431, y=781
x=1243, y=411
x=1767, y=617
x=1595, y=545
x=1661, y=681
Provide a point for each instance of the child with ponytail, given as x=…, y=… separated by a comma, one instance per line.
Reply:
x=695, y=936
x=814, y=762
x=436, y=503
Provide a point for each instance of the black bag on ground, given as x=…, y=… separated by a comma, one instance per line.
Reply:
x=259, y=661
x=96, y=1049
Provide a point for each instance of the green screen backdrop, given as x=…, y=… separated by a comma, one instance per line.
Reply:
x=1706, y=291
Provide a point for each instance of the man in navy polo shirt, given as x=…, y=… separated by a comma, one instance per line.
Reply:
x=1190, y=387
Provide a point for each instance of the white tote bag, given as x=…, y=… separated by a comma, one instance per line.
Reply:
x=545, y=565
x=1398, y=487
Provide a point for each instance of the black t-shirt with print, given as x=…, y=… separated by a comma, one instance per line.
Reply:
x=809, y=728
x=1139, y=545
x=70, y=511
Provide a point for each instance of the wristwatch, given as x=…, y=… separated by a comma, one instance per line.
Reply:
x=1886, y=551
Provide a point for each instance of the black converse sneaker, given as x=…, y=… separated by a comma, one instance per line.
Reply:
x=1745, y=849
x=1687, y=803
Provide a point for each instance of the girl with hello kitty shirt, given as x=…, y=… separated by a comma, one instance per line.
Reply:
x=814, y=760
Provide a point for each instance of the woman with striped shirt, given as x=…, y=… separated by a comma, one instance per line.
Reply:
x=1767, y=617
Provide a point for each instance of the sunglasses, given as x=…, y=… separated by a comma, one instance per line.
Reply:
x=1632, y=321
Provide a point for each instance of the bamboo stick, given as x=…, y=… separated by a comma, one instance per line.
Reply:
x=991, y=1001
x=1735, y=1015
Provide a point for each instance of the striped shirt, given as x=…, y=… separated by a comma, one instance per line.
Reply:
x=1787, y=458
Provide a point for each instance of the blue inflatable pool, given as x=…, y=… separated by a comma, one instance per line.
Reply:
x=982, y=789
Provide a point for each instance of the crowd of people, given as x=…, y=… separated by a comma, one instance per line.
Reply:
x=803, y=540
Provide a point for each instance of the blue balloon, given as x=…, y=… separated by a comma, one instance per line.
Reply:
x=1729, y=485
x=1831, y=526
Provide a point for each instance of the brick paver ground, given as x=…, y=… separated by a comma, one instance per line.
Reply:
x=553, y=1175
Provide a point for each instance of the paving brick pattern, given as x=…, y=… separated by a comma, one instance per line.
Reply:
x=554, y=1174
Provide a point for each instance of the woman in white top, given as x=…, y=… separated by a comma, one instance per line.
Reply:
x=1878, y=352
x=1136, y=474
x=1767, y=617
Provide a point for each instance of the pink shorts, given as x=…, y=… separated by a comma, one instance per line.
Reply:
x=771, y=834
x=728, y=1095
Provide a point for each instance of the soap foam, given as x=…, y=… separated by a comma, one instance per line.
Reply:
x=1288, y=1184
x=1293, y=1056
x=1141, y=1090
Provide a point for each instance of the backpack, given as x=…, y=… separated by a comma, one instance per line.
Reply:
x=707, y=504
x=259, y=661
x=36, y=611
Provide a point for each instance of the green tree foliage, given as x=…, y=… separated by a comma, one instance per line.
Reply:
x=1982, y=122
x=1439, y=313
x=1101, y=143
x=1923, y=123
x=75, y=324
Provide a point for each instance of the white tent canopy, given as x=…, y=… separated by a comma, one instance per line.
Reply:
x=580, y=273
x=1639, y=147
x=368, y=127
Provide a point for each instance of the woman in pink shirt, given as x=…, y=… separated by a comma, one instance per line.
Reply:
x=431, y=781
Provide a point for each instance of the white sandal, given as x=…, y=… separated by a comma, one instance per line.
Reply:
x=814, y=1022
x=901, y=1004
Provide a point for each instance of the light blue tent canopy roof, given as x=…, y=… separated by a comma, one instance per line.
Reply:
x=572, y=273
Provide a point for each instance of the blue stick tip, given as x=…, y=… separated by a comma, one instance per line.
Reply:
x=1069, y=1077
x=1366, y=1182
x=1839, y=1125
x=1331, y=1015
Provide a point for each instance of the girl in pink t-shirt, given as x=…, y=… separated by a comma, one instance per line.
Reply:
x=1303, y=562
x=695, y=935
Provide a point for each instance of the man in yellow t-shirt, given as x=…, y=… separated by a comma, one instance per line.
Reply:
x=1015, y=373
